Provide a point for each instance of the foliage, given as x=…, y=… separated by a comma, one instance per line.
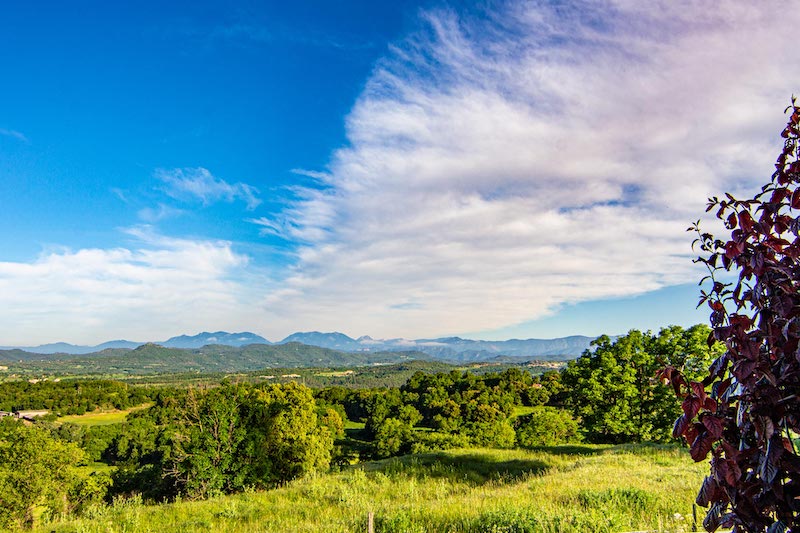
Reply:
x=222, y=440
x=205, y=455
x=286, y=433
x=392, y=436
x=614, y=392
x=430, y=441
x=745, y=419
x=477, y=407
x=94, y=440
x=546, y=426
x=70, y=397
x=39, y=474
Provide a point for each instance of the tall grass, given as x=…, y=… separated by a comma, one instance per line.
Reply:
x=577, y=488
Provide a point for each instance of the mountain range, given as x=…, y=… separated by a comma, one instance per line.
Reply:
x=447, y=348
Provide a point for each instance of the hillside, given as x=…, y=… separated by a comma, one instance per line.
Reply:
x=153, y=358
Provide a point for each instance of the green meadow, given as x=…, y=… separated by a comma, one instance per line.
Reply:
x=101, y=417
x=559, y=489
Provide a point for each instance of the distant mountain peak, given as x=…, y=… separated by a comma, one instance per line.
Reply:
x=218, y=337
x=147, y=346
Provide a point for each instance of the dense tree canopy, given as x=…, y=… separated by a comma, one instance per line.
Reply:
x=613, y=389
x=38, y=471
x=70, y=397
x=223, y=440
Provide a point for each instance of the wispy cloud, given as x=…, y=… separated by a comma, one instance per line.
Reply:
x=14, y=134
x=119, y=193
x=188, y=184
x=502, y=165
x=156, y=214
x=150, y=290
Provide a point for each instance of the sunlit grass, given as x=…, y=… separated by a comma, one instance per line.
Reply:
x=577, y=488
x=522, y=410
x=101, y=417
x=349, y=424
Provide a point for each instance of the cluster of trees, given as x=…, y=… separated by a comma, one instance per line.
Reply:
x=454, y=409
x=614, y=391
x=222, y=440
x=70, y=397
x=43, y=475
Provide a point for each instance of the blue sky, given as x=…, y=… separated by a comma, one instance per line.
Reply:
x=414, y=169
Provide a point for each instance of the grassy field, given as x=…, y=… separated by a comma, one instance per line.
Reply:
x=576, y=488
x=101, y=417
x=522, y=410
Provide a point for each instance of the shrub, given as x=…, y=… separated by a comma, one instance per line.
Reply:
x=546, y=426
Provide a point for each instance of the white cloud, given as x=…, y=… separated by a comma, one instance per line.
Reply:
x=498, y=168
x=153, y=290
x=199, y=184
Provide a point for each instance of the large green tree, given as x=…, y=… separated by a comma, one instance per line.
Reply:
x=223, y=440
x=613, y=390
x=41, y=475
x=286, y=439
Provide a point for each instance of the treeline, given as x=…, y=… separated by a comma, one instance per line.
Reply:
x=198, y=442
x=614, y=392
x=442, y=410
x=70, y=397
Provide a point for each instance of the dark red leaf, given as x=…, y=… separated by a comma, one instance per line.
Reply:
x=677, y=382
x=712, y=520
x=691, y=406
x=710, y=404
x=777, y=527
x=701, y=446
x=707, y=491
x=718, y=366
x=679, y=428
x=745, y=221
x=733, y=473
x=743, y=369
x=732, y=250
x=768, y=467
x=699, y=390
x=796, y=199
x=727, y=520
x=714, y=425
x=692, y=432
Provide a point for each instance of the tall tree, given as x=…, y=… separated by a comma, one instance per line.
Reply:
x=37, y=471
x=613, y=389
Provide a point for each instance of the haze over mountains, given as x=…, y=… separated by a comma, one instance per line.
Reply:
x=451, y=348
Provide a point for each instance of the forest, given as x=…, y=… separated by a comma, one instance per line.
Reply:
x=194, y=442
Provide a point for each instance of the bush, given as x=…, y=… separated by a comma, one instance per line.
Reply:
x=431, y=441
x=546, y=426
